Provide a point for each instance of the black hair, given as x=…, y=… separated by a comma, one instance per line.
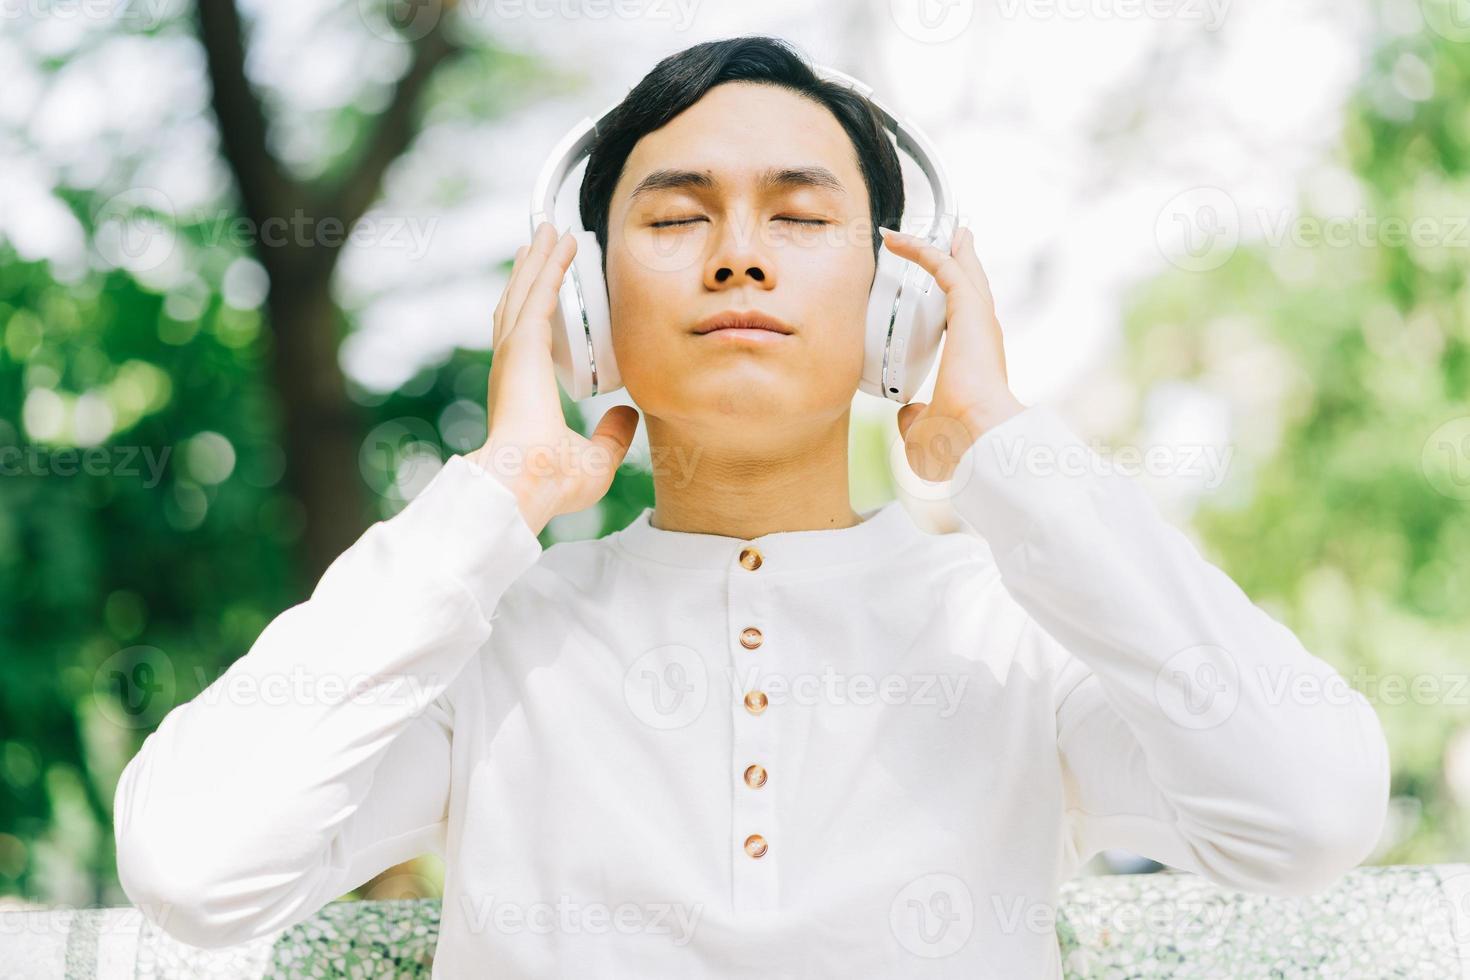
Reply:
x=682, y=79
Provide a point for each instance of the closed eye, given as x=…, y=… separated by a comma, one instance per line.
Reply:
x=675, y=222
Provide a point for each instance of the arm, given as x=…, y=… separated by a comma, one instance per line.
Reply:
x=244, y=814
x=322, y=756
x=1192, y=727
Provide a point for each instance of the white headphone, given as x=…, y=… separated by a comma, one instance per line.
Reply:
x=906, y=308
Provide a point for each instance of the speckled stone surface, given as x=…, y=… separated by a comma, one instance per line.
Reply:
x=1378, y=922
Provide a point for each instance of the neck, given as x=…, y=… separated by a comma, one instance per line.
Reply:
x=797, y=483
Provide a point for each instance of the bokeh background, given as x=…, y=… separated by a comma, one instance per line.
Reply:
x=249, y=252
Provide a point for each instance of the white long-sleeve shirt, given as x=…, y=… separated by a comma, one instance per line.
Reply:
x=867, y=751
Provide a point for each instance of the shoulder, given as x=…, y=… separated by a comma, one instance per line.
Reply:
x=971, y=589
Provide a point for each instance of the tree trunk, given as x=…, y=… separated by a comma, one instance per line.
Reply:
x=322, y=428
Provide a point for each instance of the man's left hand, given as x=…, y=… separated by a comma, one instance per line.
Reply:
x=971, y=393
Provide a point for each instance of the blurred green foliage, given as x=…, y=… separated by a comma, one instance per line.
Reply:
x=1347, y=511
x=133, y=572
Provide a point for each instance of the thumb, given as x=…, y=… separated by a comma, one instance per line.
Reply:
x=908, y=414
x=614, y=434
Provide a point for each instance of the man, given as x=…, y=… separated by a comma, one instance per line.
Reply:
x=754, y=733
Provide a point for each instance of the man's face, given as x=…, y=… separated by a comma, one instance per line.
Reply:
x=798, y=249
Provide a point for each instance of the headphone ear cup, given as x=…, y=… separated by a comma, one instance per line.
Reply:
x=581, y=329
x=906, y=318
x=882, y=310
x=926, y=325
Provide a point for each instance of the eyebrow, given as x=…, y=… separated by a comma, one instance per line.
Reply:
x=769, y=179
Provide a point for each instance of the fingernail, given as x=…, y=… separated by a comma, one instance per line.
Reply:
x=891, y=231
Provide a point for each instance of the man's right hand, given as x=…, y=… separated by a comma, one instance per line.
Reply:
x=551, y=468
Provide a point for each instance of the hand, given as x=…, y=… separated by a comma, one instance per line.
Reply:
x=551, y=468
x=971, y=393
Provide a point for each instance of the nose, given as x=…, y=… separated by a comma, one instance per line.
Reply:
x=738, y=259
x=755, y=272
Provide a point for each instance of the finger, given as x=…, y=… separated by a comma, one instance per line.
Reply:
x=542, y=241
x=528, y=377
x=500, y=321
x=541, y=245
x=943, y=267
x=613, y=436
x=964, y=253
x=907, y=414
x=499, y=318
x=540, y=299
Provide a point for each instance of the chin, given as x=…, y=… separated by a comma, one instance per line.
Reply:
x=737, y=408
x=761, y=397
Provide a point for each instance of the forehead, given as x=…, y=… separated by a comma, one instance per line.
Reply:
x=740, y=131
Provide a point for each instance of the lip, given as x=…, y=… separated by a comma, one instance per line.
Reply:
x=744, y=337
x=745, y=322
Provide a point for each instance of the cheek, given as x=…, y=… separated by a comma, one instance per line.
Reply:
x=841, y=273
x=629, y=294
x=835, y=285
x=640, y=330
x=640, y=291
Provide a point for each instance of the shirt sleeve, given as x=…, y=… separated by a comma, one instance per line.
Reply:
x=322, y=756
x=1192, y=727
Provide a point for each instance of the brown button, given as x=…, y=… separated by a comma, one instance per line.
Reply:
x=755, y=702
x=750, y=638
x=755, y=846
x=750, y=558
x=755, y=776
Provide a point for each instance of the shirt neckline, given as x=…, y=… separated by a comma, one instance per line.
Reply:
x=882, y=531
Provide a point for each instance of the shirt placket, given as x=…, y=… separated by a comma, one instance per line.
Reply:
x=753, y=642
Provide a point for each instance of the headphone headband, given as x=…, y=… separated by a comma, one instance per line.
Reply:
x=574, y=146
x=906, y=309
